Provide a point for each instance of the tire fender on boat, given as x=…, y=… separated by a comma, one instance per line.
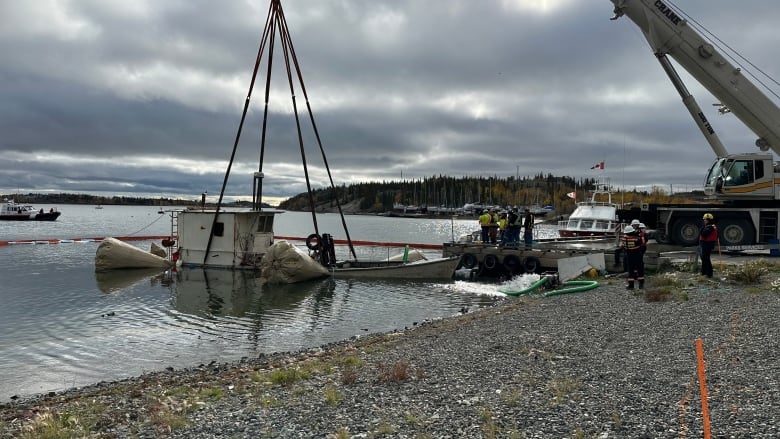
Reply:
x=531, y=264
x=512, y=264
x=469, y=260
x=313, y=241
x=490, y=261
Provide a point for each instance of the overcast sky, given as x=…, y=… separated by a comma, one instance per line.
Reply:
x=145, y=97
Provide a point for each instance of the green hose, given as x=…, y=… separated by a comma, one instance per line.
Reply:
x=575, y=286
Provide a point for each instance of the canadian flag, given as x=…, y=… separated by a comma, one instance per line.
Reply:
x=572, y=195
x=599, y=165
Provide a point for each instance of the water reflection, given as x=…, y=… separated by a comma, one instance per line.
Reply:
x=116, y=280
x=207, y=292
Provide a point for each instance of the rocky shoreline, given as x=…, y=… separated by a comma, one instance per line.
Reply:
x=606, y=363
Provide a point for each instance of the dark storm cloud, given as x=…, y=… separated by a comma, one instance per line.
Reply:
x=145, y=97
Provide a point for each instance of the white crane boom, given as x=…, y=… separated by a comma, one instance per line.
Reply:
x=668, y=32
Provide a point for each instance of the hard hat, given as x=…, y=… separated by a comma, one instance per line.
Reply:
x=634, y=222
x=707, y=216
x=628, y=229
x=642, y=225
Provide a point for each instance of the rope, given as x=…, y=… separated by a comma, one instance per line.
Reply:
x=146, y=227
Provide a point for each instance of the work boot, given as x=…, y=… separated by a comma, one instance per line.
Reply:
x=630, y=285
x=641, y=284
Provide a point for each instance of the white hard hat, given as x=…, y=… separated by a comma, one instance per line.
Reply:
x=628, y=229
x=642, y=225
x=634, y=222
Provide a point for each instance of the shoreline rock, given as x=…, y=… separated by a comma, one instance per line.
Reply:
x=605, y=363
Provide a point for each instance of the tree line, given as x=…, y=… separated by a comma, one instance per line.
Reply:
x=562, y=193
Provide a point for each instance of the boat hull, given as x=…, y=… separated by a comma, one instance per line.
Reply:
x=441, y=269
x=47, y=216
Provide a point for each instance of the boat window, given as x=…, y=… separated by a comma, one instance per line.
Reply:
x=572, y=224
x=601, y=225
x=219, y=229
x=586, y=224
x=265, y=224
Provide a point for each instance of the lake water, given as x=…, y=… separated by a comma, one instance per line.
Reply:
x=63, y=325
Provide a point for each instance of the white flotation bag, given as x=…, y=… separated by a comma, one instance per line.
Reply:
x=409, y=256
x=113, y=254
x=284, y=263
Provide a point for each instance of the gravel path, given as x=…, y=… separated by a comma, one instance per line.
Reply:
x=605, y=363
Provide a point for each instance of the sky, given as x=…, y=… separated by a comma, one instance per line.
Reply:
x=144, y=98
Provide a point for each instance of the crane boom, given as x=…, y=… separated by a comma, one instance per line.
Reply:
x=668, y=32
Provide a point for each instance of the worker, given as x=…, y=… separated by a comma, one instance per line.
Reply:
x=493, y=227
x=503, y=223
x=635, y=265
x=484, y=224
x=708, y=236
x=528, y=225
x=642, y=237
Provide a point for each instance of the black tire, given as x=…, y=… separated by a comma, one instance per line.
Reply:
x=468, y=261
x=531, y=264
x=686, y=231
x=512, y=264
x=313, y=241
x=735, y=232
x=491, y=261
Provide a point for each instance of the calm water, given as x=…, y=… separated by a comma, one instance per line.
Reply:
x=63, y=325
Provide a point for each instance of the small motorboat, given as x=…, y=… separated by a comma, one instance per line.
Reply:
x=12, y=211
x=434, y=269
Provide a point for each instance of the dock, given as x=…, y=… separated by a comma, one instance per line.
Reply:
x=491, y=260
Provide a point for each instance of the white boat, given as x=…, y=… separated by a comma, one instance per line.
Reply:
x=12, y=211
x=595, y=217
x=540, y=211
x=439, y=269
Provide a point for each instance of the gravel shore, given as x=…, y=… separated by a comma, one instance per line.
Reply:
x=605, y=363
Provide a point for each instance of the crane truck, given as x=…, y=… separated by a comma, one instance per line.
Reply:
x=744, y=188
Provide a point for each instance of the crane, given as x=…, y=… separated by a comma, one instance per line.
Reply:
x=734, y=177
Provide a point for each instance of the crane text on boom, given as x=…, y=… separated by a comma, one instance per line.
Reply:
x=668, y=12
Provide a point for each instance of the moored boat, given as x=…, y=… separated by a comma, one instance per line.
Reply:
x=12, y=211
x=440, y=268
x=595, y=217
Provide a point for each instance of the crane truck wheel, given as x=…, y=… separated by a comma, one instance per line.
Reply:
x=686, y=231
x=735, y=232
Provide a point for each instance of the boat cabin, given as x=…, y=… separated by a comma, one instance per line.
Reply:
x=239, y=239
